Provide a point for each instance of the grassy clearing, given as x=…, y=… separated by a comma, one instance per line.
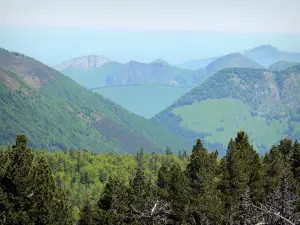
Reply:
x=223, y=118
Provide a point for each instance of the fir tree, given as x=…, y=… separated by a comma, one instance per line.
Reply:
x=240, y=168
x=201, y=172
x=88, y=215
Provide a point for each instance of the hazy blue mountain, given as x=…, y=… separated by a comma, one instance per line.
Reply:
x=156, y=72
x=267, y=55
x=230, y=61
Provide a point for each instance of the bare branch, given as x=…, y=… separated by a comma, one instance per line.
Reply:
x=269, y=211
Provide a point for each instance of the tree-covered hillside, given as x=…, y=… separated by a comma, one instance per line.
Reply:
x=57, y=113
x=264, y=104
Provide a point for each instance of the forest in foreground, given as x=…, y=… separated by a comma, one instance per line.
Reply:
x=79, y=187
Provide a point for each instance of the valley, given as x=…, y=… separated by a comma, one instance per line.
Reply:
x=95, y=141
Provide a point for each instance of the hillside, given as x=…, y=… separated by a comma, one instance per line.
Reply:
x=230, y=61
x=266, y=55
x=281, y=65
x=57, y=113
x=264, y=104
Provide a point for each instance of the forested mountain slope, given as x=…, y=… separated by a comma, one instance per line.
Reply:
x=57, y=113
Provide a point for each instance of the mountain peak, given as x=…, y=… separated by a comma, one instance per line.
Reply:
x=159, y=61
x=232, y=60
x=266, y=48
x=84, y=62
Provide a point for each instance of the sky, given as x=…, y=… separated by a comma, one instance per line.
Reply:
x=56, y=30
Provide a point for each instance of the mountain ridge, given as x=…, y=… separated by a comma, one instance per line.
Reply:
x=83, y=62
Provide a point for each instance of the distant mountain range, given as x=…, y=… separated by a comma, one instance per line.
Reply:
x=264, y=55
x=159, y=82
x=57, y=113
x=156, y=72
x=131, y=83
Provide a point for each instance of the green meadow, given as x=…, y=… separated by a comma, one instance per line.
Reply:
x=222, y=118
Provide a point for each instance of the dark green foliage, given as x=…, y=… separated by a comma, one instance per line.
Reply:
x=178, y=195
x=88, y=215
x=142, y=196
x=29, y=194
x=240, y=168
x=275, y=164
x=163, y=181
x=114, y=203
x=201, y=172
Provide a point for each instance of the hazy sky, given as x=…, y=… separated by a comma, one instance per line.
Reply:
x=208, y=15
x=55, y=30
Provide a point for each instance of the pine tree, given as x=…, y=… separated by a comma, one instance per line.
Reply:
x=88, y=215
x=295, y=164
x=240, y=168
x=168, y=151
x=142, y=199
x=286, y=147
x=178, y=191
x=201, y=173
x=140, y=192
x=140, y=158
x=163, y=181
x=275, y=164
x=113, y=204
